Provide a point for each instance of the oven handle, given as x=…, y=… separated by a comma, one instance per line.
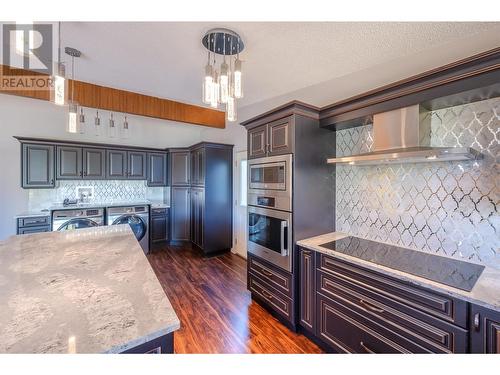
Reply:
x=284, y=225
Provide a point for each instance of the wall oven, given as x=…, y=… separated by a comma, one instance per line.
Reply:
x=270, y=182
x=270, y=235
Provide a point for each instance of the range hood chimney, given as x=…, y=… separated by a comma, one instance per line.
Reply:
x=404, y=136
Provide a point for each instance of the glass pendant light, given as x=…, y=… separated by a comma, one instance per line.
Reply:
x=207, y=82
x=125, y=129
x=214, y=100
x=224, y=82
x=97, y=125
x=81, y=120
x=111, y=127
x=72, y=120
x=231, y=109
x=59, y=92
x=237, y=81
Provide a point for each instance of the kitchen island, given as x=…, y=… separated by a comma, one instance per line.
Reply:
x=85, y=291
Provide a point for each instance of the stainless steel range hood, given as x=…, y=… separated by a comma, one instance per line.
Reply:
x=403, y=136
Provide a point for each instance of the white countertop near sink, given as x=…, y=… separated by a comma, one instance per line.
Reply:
x=85, y=291
x=486, y=291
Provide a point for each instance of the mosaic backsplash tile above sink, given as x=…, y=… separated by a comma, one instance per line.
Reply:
x=448, y=208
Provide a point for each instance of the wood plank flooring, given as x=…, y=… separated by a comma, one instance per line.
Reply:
x=216, y=312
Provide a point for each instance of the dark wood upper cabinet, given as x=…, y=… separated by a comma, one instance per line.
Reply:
x=280, y=137
x=157, y=169
x=116, y=168
x=257, y=142
x=180, y=169
x=198, y=167
x=69, y=163
x=136, y=161
x=37, y=165
x=307, y=290
x=485, y=330
x=94, y=163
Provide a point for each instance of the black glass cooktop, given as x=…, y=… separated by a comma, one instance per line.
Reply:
x=455, y=273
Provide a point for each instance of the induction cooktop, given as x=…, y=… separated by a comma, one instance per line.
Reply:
x=455, y=273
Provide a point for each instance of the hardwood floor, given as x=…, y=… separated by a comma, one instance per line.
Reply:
x=216, y=312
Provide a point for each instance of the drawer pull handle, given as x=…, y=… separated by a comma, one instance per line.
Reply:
x=477, y=321
x=267, y=295
x=366, y=348
x=267, y=273
x=370, y=307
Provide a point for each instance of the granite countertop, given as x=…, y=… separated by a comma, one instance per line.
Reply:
x=86, y=291
x=60, y=206
x=486, y=291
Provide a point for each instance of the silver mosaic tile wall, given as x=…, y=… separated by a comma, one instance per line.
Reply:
x=448, y=208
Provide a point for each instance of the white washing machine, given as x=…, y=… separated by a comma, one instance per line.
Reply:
x=135, y=216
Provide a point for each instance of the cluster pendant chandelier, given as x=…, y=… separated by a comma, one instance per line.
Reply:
x=223, y=86
x=63, y=95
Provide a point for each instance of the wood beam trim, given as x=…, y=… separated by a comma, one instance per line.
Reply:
x=116, y=100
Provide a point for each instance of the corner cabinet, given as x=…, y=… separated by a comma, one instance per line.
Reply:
x=271, y=139
x=180, y=167
x=37, y=166
x=181, y=213
x=485, y=330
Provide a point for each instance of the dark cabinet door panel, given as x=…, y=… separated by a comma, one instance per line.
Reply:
x=116, y=164
x=37, y=165
x=307, y=289
x=257, y=142
x=180, y=170
x=280, y=137
x=94, y=163
x=424, y=330
x=337, y=326
x=181, y=213
x=485, y=330
x=158, y=229
x=157, y=169
x=69, y=163
x=136, y=162
x=396, y=293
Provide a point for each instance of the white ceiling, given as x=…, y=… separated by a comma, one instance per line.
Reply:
x=166, y=59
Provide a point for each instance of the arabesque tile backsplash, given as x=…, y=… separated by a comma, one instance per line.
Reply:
x=104, y=191
x=448, y=208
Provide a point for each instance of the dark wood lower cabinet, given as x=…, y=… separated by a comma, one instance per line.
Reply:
x=159, y=226
x=485, y=330
x=273, y=288
x=349, y=309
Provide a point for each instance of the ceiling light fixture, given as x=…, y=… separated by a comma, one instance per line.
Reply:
x=226, y=87
x=72, y=123
x=59, y=91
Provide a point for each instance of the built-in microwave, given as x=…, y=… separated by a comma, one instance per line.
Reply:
x=270, y=235
x=270, y=182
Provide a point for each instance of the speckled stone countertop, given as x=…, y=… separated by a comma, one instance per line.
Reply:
x=85, y=291
x=486, y=291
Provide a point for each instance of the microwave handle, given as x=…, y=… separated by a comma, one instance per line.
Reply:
x=284, y=225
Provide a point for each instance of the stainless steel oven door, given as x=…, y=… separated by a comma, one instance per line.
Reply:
x=270, y=173
x=270, y=236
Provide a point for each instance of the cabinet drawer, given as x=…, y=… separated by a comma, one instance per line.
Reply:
x=33, y=221
x=28, y=230
x=424, y=330
x=278, y=302
x=279, y=280
x=397, y=293
x=338, y=327
x=158, y=211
